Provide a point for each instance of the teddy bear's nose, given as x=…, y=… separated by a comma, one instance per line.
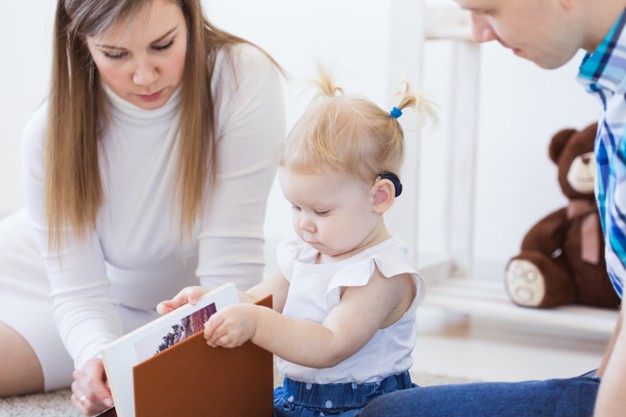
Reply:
x=586, y=159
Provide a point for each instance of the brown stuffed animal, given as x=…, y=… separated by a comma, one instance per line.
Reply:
x=562, y=257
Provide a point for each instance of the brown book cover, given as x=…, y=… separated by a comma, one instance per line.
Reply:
x=191, y=379
x=139, y=345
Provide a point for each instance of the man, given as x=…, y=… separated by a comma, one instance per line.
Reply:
x=549, y=33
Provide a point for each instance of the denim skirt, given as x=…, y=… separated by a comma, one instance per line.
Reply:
x=301, y=399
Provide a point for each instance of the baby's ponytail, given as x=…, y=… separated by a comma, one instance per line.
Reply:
x=424, y=108
x=325, y=83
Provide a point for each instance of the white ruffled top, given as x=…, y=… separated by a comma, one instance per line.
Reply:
x=315, y=289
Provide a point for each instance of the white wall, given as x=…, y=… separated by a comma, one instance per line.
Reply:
x=520, y=107
x=25, y=33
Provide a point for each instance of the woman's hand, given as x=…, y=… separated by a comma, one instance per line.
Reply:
x=232, y=326
x=90, y=390
x=187, y=295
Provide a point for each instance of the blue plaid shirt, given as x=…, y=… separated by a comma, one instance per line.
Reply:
x=603, y=73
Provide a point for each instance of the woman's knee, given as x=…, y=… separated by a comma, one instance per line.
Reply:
x=20, y=370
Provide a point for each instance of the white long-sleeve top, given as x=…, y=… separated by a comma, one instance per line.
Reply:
x=135, y=258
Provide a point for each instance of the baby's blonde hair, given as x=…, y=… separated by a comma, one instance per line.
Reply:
x=350, y=135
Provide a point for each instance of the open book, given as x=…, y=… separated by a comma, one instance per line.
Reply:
x=123, y=354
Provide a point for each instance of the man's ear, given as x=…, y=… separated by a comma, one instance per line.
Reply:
x=383, y=195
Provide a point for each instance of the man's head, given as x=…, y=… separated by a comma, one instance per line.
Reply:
x=547, y=32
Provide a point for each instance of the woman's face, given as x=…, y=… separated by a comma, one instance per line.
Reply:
x=142, y=57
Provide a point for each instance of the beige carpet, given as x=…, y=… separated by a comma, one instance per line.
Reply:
x=57, y=403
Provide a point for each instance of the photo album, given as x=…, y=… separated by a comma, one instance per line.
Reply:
x=122, y=355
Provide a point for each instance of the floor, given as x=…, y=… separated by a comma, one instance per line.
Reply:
x=493, y=350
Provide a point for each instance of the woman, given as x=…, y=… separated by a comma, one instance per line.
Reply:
x=147, y=169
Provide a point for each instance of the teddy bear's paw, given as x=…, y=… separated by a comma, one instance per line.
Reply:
x=525, y=284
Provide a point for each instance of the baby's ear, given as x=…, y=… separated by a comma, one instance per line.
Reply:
x=383, y=195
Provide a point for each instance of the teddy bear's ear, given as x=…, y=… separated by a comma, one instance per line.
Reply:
x=558, y=143
x=590, y=131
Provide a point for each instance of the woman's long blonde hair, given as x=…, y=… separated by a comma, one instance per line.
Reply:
x=78, y=113
x=349, y=134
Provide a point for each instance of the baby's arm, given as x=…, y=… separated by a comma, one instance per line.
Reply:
x=188, y=295
x=277, y=286
x=348, y=327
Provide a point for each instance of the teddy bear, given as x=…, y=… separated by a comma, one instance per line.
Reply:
x=562, y=256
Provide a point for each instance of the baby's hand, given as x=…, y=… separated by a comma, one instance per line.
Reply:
x=232, y=326
x=189, y=295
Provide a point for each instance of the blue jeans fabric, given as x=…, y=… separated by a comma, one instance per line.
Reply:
x=571, y=397
x=299, y=399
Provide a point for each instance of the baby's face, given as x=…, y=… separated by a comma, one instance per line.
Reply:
x=332, y=212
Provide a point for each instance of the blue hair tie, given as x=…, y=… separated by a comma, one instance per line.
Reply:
x=395, y=112
x=388, y=175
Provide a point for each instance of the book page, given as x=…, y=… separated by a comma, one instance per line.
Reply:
x=121, y=355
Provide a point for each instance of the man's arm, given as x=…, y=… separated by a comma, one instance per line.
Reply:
x=607, y=354
x=611, y=400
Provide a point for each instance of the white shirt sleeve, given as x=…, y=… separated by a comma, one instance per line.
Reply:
x=251, y=128
x=79, y=287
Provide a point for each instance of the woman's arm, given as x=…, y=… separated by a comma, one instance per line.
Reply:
x=250, y=128
x=83, y=305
